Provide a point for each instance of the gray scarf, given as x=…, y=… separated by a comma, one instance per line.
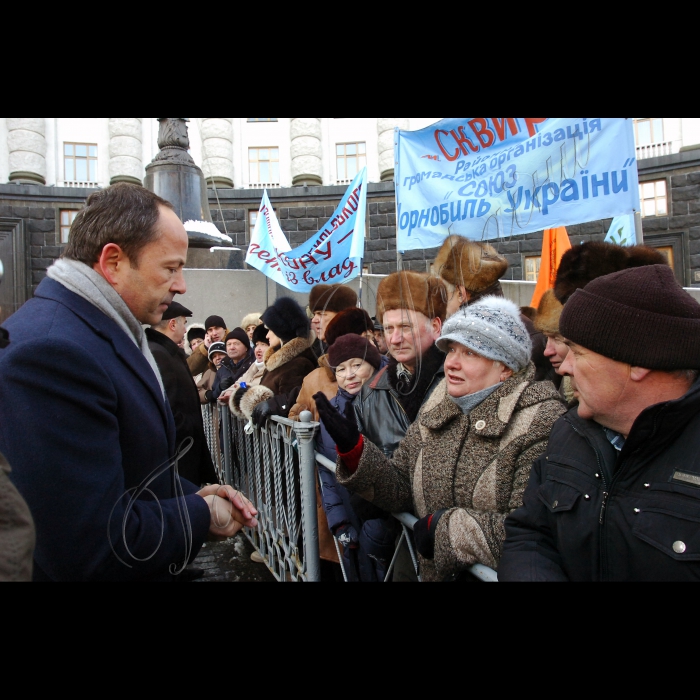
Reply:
x=468, y=403
x=88, y=284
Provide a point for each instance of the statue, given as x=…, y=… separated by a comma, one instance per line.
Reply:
x=173, y=140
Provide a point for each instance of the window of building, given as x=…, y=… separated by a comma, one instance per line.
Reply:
x=80, y=163
x=667, y=252
x=532, y=268
x=648, y=131
x=350, y=159
x=653, y=198
x=252, y=219
x=67, y=219
x=262, y=119
x=264, y=167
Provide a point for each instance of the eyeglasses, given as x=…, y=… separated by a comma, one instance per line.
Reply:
x=350, y=371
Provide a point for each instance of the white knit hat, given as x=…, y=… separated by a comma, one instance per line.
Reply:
x=492, y=328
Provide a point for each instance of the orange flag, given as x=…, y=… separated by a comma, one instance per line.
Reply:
x=555, y=244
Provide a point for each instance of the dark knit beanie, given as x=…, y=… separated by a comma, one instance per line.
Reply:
x=194, y=333
x=353, y=320
x=260, y=335
x=350, y=346
x=238, y=334
x=332, y=297
x=215, y=322
x=641, y=317
x=287, y=320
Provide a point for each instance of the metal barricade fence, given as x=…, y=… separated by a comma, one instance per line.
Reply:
x=275, y=468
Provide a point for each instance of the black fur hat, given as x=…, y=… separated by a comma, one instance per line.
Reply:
x=588, y=261
x=287, y=320
x=260, y=335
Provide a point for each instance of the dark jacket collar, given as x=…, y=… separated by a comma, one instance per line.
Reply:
x=4, y=338
x=163, y=340
x=106, y=328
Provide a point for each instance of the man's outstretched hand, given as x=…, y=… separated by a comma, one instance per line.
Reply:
x=230, y=510
x=342, y=428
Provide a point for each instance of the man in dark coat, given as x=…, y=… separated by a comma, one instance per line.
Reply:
x=616, y=496
x=84, y=420
x=163, y=340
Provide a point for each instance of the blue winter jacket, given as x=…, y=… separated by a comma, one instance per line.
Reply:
x=84, y=423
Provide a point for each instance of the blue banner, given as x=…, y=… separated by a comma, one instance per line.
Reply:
x=622, y=231
x=490, y=177
x=334, y=255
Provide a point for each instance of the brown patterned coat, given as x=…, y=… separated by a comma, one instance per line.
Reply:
x=475, y=466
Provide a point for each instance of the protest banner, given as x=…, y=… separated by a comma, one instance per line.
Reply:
x=490, y=177
x=334, y=255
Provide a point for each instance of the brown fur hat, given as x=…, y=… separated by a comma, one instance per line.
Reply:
x=476, y=266
x=351, y=321
x=548, y=314
x=412, y=290
x=588, y=261
x=332, y=297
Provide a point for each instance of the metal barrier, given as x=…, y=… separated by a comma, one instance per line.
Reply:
x=275, y=467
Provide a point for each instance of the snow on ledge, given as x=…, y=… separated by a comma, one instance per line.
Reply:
x=207, y=228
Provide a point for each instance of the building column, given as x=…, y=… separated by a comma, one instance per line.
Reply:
x=26, y=141
x=125, y=150
x=217, y=150
x=307, y=151
x=385, y=128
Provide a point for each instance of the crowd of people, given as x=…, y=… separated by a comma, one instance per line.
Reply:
x=550, y=444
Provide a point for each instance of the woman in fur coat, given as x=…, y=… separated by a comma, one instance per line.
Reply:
x=464, y=464
x=288, y=360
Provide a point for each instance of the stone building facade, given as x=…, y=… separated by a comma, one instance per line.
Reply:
x=35, y=217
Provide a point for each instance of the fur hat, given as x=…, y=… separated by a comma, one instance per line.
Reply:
x=354, y=320
x=548, y=314
x=473, y=265
x=240, y=335
x=492, y=328
x=251, y=320
x=332, y=297
x=588, y=261
x=196, y=330
x=260, y=335
x=347, y=347
x=287, y=320
x=416, y=291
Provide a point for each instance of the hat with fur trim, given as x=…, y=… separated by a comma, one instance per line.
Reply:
x=287, y=320
x=471, y=264
x=493, y=329
x=415, y=291
x=196, y=331
x=332, y=297
x=260, y=335
x=355, y=321
x=588, y=261
x=347, y=347
x=251, y=320
x=548, y=314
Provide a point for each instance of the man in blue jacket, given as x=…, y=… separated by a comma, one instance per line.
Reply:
x=84, y=419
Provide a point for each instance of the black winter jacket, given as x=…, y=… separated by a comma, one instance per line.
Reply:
x=593, y=514
x=386, y=408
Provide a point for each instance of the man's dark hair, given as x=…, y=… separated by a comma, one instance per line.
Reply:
x=123, y=214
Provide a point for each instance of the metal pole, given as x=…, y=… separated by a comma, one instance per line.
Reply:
x=638, y=228
x=226, y=439
x=305, y=431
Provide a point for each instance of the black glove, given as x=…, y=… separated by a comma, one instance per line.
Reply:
x=225, y=384
x=261, y=413
x=424, y=534
x=347, y=535
x=342, y=429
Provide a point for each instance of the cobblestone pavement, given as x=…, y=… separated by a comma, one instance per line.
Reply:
x=229, y=562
